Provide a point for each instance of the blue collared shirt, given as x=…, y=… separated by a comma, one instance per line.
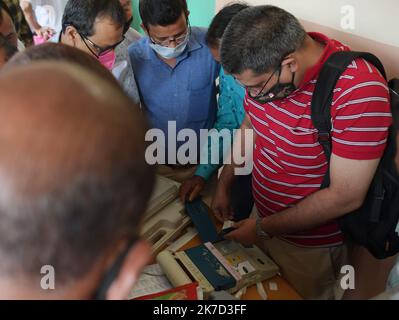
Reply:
x=186, y=93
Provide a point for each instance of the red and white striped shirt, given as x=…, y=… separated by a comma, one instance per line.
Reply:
x=289, y=163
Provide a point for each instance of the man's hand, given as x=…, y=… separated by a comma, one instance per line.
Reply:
x=45, y=32
x=245, y=232
x=191, y=188
x=221, y=204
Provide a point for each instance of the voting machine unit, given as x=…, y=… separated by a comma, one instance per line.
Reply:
x=165, y=218
x=225, y=265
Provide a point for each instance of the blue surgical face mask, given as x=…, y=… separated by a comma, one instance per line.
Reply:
x=171, y=53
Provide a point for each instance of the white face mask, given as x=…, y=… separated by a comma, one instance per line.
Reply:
x=170, y=53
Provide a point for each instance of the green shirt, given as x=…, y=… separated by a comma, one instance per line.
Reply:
x=230, y=115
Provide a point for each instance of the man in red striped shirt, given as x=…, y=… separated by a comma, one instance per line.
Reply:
x=269, y=52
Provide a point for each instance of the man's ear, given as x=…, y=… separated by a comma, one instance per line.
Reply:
x=137, y=258
x=291, y=62
x=71, y=36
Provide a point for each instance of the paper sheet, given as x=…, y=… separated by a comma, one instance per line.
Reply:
x=183, y=240
x=261, y=291
x=273, y=286
x=150, y=284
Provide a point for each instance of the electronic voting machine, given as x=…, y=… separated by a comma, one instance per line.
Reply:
x=221, y=266
x=217, y=264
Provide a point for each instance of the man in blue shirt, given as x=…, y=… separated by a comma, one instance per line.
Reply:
x=175, y=73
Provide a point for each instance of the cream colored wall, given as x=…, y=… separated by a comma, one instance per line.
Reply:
x=376, y=26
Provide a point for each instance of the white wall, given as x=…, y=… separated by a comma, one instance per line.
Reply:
x=376, y=23
x=374, y=19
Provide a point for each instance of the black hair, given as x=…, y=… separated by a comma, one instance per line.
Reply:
x=8, y=48
x=161, y=12
x=1, y=12
x=82, y=14
x=259, y=38
x=221, y=21
x=4, y=7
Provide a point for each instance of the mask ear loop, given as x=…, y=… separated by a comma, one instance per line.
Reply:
x=280, y=69
x=278, y=85
x=279, y=75
x=293, y=79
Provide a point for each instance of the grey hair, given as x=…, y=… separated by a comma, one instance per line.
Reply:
x=71, y=227
x=258, y=38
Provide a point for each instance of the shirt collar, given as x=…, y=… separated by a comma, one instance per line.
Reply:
x=331, y=46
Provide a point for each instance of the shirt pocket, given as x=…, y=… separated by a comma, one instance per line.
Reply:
x=200, y=88
x=200, y=104
x=199, y=79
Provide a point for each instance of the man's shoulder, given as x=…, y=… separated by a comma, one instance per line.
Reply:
x=132, y=36
x=361, y=87
x=362, y=73
x=138, y=50
x=199, y=33
x=198, y=43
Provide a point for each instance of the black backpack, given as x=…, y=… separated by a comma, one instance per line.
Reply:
x=374, y=224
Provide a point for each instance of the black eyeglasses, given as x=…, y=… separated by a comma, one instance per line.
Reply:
x=177, y=39
x=100, y=51
x=259, y=93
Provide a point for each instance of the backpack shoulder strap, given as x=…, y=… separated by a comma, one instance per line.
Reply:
x=394, y=86
x=330, y=73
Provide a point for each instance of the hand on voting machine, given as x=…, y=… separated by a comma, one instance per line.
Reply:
x=217, y=264
x=167, y=218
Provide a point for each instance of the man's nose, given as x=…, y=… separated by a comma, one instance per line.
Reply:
x=172, y=43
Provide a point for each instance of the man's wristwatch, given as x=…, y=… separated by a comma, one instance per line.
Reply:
x=260, y=232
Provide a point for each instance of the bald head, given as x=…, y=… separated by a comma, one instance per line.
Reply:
x=74, y=180
x=60, y=52
x=79, y=124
